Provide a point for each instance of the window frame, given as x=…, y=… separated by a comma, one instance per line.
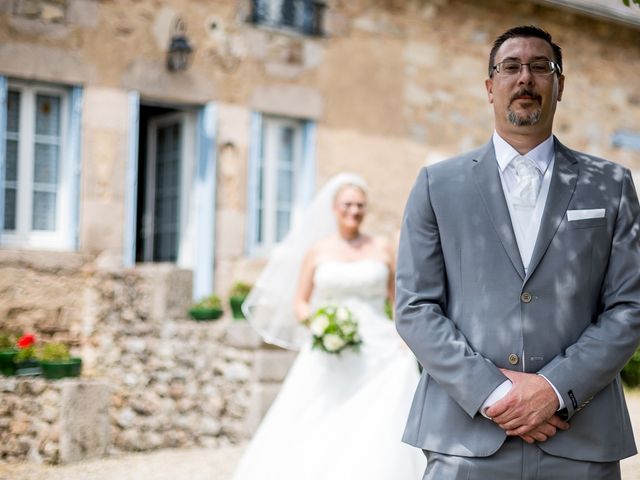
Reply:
x=263, y=210
x=25, y=236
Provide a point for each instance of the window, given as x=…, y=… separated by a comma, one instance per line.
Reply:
x=37, y=189
x=304, y=16
x=280, y=178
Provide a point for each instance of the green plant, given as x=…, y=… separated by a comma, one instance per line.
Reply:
x=631, y=372
x=7, y=341
x=211, y=302
x=240, y=289
x=26, y=348
x=54, y=352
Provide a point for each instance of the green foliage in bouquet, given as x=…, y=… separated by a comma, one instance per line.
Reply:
x=388, y=308
x=334, y=329
x=631, y=372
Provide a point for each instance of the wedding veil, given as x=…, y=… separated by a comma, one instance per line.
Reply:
x=269, y=307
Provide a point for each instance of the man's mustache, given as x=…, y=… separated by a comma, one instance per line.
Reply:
x=525, y=92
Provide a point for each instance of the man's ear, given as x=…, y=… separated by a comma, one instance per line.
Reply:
x=560, y=86
x=488, y=83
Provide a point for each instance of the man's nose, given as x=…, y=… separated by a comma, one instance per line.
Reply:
x=525, y=75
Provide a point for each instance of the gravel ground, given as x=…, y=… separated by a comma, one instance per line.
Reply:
x=203, y=464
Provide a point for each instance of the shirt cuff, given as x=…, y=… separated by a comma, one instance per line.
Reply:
x=500, y=391
x=560, y=400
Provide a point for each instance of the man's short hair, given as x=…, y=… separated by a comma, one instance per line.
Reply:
x=526, y=31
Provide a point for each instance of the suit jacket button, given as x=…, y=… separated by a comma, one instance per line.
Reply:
x=526, y=297
x=513, y=359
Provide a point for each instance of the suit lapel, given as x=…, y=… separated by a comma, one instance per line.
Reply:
x=563, y=184
x=487, y=179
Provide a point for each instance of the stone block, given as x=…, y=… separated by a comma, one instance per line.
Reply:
x=273, y=365
x=262, y=396
x=288, y=100
x=240, y=334
x=84, y=420
x=171, y=289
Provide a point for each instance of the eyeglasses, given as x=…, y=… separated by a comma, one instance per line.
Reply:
x=539, y=67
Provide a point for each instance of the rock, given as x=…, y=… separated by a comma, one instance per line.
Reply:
x=126, y=418
x=176, y=390
x=236, y=372
x=38, y=386
x=49, y=414
x=9, y=385
x=18, y=427
x=210, y=426
x=185, y=405
x=175, y=439
x=131, y=379
x=145, y=404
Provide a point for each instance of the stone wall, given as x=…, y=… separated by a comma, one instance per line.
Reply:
x=163, y=380
x=52, y=422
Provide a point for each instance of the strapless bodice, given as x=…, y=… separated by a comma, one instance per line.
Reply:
x=343, y=282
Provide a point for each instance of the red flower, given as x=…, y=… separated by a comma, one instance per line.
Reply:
x=26, y=340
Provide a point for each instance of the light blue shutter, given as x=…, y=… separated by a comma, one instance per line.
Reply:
x=131, y=188
x=205, y=200
x=74, y=155
x=255, y=159
x=3, y=142
x=307, y=176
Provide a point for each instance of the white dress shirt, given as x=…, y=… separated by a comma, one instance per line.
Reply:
x=524, y=219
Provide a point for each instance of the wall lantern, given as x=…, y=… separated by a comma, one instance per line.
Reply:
x=180, y=50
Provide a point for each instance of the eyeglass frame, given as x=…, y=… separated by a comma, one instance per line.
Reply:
x=555, y=68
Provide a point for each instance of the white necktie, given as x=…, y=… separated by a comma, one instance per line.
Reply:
x=528, y=184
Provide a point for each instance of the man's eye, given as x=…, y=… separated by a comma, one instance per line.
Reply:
x=511, y=67
x=540, y=67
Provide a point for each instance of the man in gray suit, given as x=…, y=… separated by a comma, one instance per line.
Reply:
x=518, y=290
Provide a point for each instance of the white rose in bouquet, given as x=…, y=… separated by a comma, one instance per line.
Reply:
x=333, y=342
x=319, y=324
x=342, y=315
x=334, y=329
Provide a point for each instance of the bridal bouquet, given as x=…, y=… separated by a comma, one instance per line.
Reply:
x=334, y=329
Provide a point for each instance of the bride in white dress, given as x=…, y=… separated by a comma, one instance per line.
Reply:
x=337, y=417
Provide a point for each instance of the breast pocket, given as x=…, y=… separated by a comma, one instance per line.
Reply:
x=587, y=223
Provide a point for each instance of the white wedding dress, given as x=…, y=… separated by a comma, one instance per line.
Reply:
x=341, y=417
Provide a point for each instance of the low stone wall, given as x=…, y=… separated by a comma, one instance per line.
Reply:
x=166, y=380
x=44, y=421
x=175, y=381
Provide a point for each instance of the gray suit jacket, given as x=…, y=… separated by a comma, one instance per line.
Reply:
x=464, y=304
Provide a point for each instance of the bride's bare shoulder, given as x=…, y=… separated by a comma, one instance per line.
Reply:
x=322, y=247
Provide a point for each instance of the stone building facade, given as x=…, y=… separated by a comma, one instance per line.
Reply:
x=118, y=172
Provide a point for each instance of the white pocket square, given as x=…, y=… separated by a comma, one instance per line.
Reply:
x=573, y=215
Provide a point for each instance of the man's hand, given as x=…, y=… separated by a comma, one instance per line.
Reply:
x=530, y=403
x=546, y=430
